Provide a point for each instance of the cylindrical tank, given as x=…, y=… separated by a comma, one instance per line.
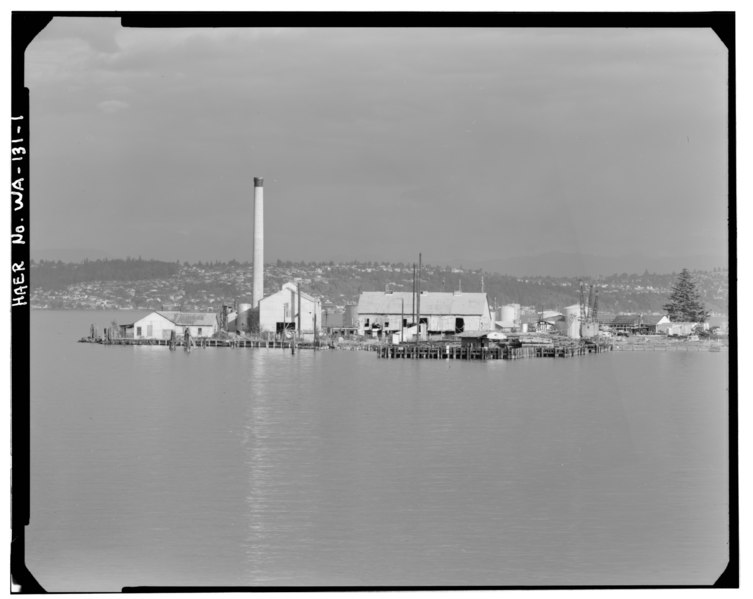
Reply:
x=572, y=320
x=508, y=315
x=516, y=317
x=242, y=321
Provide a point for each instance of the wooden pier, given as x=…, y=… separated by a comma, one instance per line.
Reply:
x=504, y=352
x=200, y=343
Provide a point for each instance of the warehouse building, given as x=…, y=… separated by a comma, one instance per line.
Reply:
x=441, y=313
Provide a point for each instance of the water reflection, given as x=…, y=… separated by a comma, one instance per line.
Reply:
x=258, y=467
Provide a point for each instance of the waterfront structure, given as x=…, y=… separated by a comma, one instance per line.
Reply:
x=334, y=324
x=570, y=326
x=258, y=281
x=243, y=319
x=480, y=338
x=677, y=329
x=290, y=310
x=161, y=324
x=441, y=313
x=651, y=323
x=350, y=316
x=550, y=321
x=508, y=316
x=642, y=324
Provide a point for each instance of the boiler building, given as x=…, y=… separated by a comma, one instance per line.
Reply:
x=290, y=310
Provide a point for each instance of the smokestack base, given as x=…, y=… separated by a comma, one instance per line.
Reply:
x=258, y=181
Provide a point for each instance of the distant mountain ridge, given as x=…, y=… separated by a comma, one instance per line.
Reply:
x=571, y=264
x=138, y=283
x=548, y=264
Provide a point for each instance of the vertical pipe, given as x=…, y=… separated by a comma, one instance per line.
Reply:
x=299, y=309
x=418, y=298
x=413, y=296
x=258, y=283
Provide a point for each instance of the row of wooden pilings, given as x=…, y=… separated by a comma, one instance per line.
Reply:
x=503, y=352
x=204, y=342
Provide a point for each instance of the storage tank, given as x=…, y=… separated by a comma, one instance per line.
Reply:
x=516, y=315
x=572, y=321
x=243, y=320
x=507, y=315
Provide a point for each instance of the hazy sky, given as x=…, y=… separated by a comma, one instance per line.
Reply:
x=464, y=144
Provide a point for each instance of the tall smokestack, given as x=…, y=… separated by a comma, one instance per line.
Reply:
x=258, y=291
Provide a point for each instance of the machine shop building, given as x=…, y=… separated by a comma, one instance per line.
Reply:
x=160, y=324
x=441, y=313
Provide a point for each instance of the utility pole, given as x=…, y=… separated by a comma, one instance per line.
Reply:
x=402, y=318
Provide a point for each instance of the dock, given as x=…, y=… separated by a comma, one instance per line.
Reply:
x=502, y=352
x=201, y=343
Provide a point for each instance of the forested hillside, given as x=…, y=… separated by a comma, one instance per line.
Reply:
x=137, y=283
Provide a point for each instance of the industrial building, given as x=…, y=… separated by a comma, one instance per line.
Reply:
x=161, y=324
x=290, y=310
x=440, y=313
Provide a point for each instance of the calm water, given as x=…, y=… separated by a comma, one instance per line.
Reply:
x=255, y=467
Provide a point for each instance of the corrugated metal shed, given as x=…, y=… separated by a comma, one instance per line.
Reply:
x=432, y=303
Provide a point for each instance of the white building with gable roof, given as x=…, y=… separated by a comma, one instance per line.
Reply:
x=280, y=311
x=160, y=324
x=381, y=312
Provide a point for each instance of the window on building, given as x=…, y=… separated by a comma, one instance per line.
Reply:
x=199, y=332
x=386, y=324
x=138, y=331
x=366, y=323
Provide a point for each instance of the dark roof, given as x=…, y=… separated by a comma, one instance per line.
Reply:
x=652, y=319
x=627, y=319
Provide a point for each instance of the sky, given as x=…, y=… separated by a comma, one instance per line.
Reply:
x=471, y=146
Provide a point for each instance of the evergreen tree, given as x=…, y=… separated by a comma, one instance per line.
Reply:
x=684, y=301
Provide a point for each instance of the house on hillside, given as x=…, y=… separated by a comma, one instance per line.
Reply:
x=441, y=313
x=160, y=324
